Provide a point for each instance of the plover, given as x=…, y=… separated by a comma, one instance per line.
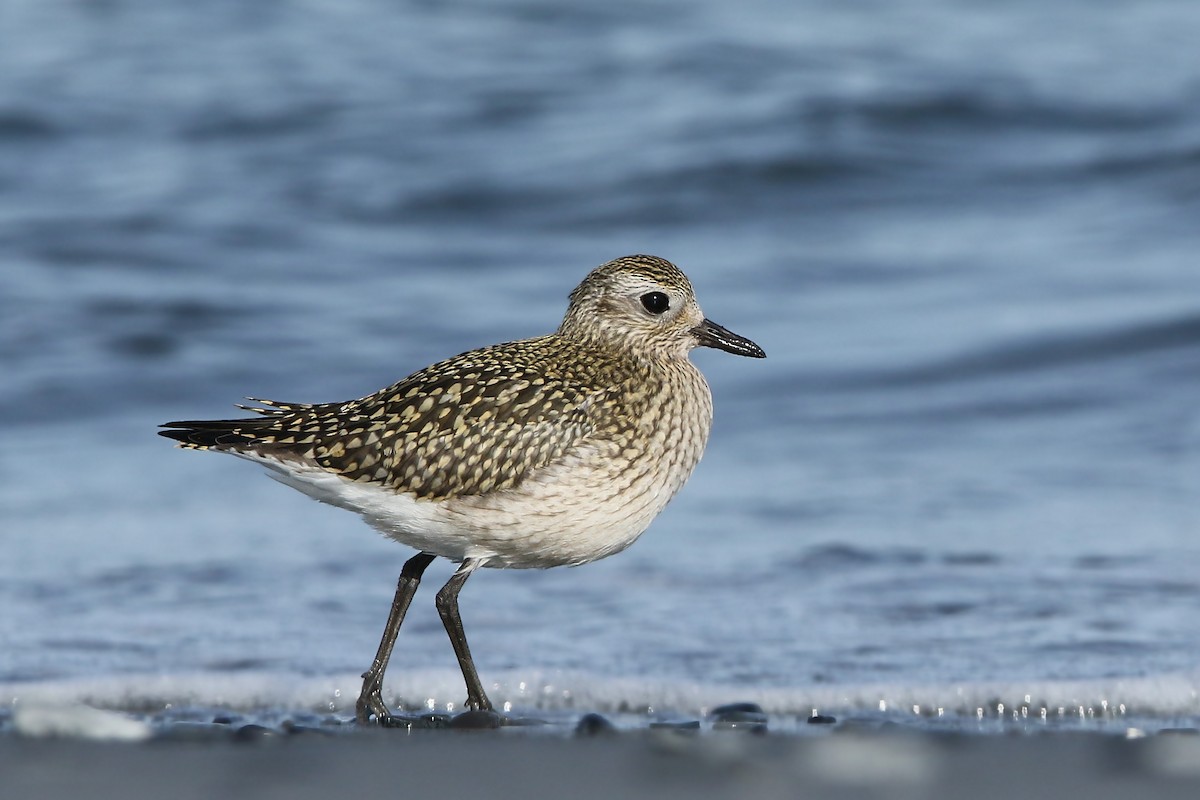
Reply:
x=544, y=452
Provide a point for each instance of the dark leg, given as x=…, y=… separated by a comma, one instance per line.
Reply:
x=370, y=700
x=447, y=606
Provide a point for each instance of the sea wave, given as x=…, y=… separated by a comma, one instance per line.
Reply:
x=1162, y=700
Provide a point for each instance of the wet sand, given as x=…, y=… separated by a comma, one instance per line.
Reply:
x=654, y=764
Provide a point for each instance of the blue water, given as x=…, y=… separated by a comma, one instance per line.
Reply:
x=966, y=234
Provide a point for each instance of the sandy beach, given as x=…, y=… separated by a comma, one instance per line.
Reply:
x=513, y=763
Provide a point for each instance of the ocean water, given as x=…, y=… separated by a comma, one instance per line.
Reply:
x=962, y=489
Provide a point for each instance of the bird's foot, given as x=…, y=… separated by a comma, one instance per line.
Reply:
x=478, y=701
x=370, y=704
x=378, y=714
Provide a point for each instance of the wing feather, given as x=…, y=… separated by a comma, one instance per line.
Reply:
x=474, y=424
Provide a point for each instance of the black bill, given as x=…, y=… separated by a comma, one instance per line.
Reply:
x=711, y=334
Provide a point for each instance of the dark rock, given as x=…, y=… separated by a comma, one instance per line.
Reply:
x=594, y=725
x=733, y=709
x=429, y=722
x=742, y=725
x=747, y=717
x=739, y=712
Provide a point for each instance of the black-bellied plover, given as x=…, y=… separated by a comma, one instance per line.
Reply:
x=545, y=452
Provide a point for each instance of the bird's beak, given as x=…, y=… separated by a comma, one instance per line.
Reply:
x=710, y=334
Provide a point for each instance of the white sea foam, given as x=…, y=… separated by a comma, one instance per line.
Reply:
x=1166, y=697
x=77, y=722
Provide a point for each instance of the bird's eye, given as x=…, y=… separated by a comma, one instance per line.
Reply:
x=656, y=302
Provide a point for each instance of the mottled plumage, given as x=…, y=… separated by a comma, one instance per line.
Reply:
x=473, y=424
x=543, y=452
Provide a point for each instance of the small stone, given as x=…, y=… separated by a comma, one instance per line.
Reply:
x=477, y=721
x=739, y=712
x=594, y=725
x=736, y=709
x=745, y=717
x=741, y=725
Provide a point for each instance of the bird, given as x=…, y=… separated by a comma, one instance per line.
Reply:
x=551, y=451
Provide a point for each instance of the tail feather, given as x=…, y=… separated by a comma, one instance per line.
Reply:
x=216, y=433
x=273, y=406
x=234, y=434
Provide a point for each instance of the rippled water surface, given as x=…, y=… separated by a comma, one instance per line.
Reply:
x=966, y=235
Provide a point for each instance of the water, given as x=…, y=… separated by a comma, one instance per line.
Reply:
x=965, y=478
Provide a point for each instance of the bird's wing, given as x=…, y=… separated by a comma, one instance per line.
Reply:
x=477, y=423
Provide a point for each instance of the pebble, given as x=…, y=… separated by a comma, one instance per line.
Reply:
x=431, y=722
x=594, y=725
x=734, y=709
x=745, y=717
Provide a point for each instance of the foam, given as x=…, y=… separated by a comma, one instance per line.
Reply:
x=1166, y=697
x=78, y=722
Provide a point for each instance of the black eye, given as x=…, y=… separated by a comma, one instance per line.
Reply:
x=656, y=302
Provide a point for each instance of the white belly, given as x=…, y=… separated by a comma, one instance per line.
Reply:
x=572, y=513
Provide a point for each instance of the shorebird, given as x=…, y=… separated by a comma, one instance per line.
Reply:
x=545, y=452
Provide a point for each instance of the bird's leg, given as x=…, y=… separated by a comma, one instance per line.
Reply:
x=370, y=699
x=447, y=606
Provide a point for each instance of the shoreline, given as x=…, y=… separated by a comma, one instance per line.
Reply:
x=660, y=764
